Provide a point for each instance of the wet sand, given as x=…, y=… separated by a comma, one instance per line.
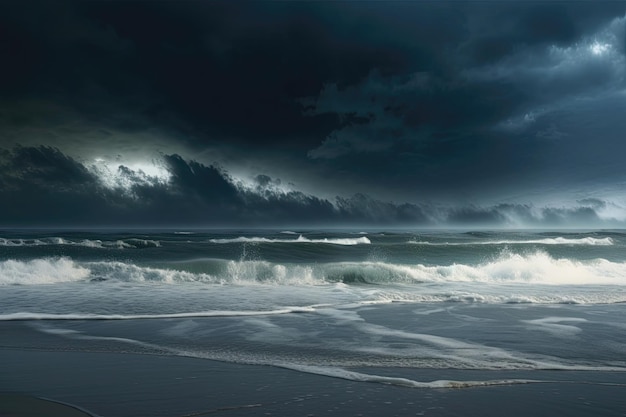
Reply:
x=127, y=384
x=28, y=406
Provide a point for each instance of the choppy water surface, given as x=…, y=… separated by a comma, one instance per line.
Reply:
x=334, y=303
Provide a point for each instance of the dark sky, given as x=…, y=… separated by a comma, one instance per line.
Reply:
x=418, y=113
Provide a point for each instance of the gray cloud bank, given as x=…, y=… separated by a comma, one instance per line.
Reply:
x=41, y=186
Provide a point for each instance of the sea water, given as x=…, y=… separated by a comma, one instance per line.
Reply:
x=420, y=309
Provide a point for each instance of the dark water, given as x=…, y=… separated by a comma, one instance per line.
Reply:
x=363, y=306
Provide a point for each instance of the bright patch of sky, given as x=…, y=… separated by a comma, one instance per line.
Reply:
x=604, y=47
x=274, y=186
x=125, y=174
x=589, y=69
x=599, y=48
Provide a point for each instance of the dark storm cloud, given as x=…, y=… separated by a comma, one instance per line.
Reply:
x=42, y=186
x=232, y=71
x=497, y=32
x=197, y=178
x=366, y=210
x=208, y=73
x=401, y=109
x=46, y=166
x=490, y=113
x=420, y=111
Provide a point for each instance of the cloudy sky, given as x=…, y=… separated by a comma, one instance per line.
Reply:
x=419, y=113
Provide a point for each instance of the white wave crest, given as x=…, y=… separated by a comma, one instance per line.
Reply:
x=301, y=239
x=133, y=243
x=21, y=242
x=242, y=272
x=532, y=269
x=120, y=271
x=142, y=243
x=227, y=272
x=41, y=271
x=587, y=241
x=536, y=268
x=541, y=268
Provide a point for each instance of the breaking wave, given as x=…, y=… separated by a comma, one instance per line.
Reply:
x=41, y=271
x=131, y=243
x=589, y=241
x=301, y=239
x=536, y=268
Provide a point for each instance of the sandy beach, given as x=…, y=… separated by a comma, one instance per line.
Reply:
x=28, y=406
x=125, y=385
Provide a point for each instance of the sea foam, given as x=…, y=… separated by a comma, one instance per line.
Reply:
x=41, y=271
x=535, y=268
x=340, y=373
x=301, y=239
x=130, y=243
x=25, y=315
x=588, y=241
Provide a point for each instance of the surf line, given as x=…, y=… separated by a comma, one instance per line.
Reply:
x=25, y=316
x=332, y=372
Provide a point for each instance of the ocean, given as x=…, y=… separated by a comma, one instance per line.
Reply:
x=420, y=310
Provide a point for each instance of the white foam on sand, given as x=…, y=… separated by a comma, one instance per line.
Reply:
x=214, y=313
x=334, y=372
x=232, y=356
x=403, y=382
x=554, y=326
